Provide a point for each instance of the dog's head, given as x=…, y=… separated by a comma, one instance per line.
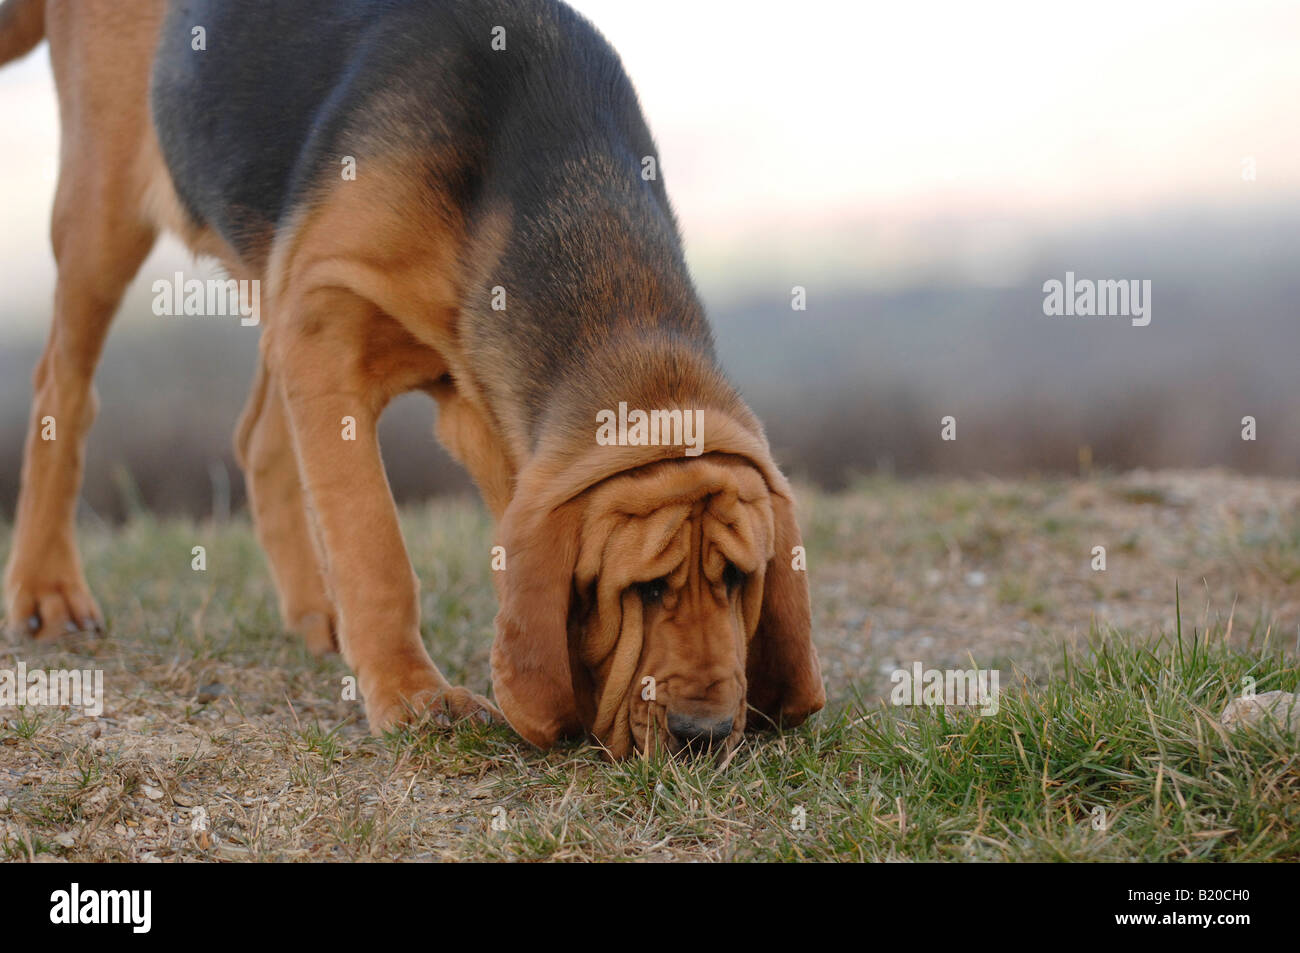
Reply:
x=660, y=607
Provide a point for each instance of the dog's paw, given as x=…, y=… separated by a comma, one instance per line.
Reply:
x=440, y=705
x=45, y=610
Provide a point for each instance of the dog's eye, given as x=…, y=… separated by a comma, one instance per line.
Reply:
x=732, y=577
x=651, y=592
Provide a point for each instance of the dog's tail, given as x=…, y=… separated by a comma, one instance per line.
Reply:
x=22, y=27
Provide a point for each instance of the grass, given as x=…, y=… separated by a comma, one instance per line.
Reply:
x=1106, y=744
x=1118, y=756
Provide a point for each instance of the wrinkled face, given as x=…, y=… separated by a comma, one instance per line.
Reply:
x=670, y=584
x=658, y=609
x=693, y=659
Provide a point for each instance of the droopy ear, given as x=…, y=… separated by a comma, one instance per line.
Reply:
x=530, y=656
x=785, y=678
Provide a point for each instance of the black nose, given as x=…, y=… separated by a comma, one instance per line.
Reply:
x=697, y=731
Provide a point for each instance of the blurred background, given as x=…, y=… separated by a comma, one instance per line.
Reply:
x=921, y=170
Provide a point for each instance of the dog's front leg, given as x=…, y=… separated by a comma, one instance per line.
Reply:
x=333, y=402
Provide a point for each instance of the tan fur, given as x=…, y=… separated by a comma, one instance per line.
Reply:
x=100, y=236
x=22, y=27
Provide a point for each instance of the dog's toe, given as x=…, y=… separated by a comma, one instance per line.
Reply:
x=46, y=611
x=463, y=705
x=441, y=707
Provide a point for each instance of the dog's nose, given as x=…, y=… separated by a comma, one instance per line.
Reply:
x=699, y=731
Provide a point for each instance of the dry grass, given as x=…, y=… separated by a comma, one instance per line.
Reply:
x=212, y=712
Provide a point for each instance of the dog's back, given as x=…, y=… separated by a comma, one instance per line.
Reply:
x=256, y=101
x=518, y=111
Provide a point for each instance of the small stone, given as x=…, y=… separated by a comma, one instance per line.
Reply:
x=210, y=693
x=152, y=793
x=1282, y=708
x=66, y=839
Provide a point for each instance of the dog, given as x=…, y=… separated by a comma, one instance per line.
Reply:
x=504, y=244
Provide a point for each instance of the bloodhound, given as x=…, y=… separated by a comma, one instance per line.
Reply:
x=504, y=244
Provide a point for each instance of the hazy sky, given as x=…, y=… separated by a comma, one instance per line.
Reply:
x=825, y=133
